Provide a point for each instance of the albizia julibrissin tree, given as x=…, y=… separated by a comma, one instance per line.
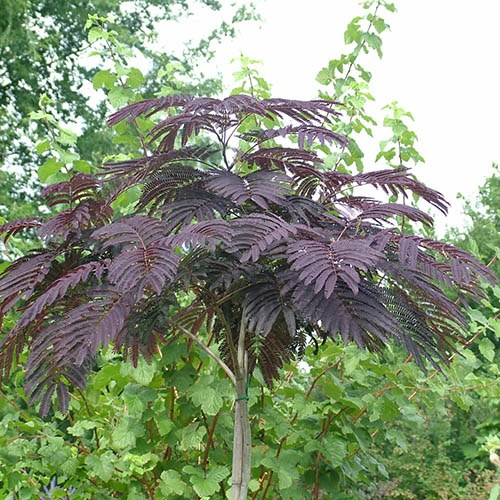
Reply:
x=276, y=250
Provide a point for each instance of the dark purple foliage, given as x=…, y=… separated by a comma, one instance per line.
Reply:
x=12, y=228
x=264, y=235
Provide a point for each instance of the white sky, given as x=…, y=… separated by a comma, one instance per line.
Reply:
x=441, y=62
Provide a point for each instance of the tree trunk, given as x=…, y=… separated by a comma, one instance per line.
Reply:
x=242, y=434
x=241, y=444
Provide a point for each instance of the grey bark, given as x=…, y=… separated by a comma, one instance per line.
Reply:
x=241, y=445
x=242, y=440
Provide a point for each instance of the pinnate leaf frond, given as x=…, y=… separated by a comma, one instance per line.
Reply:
x=139, y=169
x=164, y=185
x=194, y=204
x=185, y=126
x=151, y=267
x=20, y=279
x=255, y=233
x=307, y=135
x=60, y=287
x=75, y=220
x=12, y=228
x=238, y=104
x=206, y=233
x=305, y=211
x=324, y=263
x=261, y=187
x=148, y=107
x=360, y=317
x=383, y=211
x=133, y=232
x=305, y=112
x=80, y=332
x=65, y=348
x=271, y=354
x=282, y=158
x=392, y=181
x=262, y=305
x=77, y=189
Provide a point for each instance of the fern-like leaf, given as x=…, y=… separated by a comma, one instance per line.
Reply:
x=141, y=333
x=255, y=233
x=148, y=107
x=282, y=158
x=194, y=205
x=163, y=186
x=20, y=279
x=305, y=211
x=60, y=288
x=184, y=126
x=307, y=135
x=12, y=228
x=77, y=189
x=75, y=220
x=261, y=187
x=360, y=317
x=133, y=232
x=305, y=112
x=392, y=181
x=383, y=211
x=151, y=267
x=207, y=233
x=139, y=169
x=78, y=335
x=323, y=263
x=262, y=305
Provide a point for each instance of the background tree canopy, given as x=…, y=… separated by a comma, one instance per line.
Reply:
x=44, y=52
x=339, y=424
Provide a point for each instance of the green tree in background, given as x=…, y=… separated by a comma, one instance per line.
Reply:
x=481, y=234
x=44, y=61
x=447, y=457
x=44, y=52
x=164, y=430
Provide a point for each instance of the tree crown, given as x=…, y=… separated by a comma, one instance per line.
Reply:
x=264, y=235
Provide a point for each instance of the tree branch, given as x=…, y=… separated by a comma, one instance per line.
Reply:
x=209, y=442
x=212, y=354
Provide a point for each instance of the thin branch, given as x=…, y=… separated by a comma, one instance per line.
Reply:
x=209, y=441
x=14, y=405
x=30, y=479
x=323, y=372
x=147, y=486
x=355, y=53
x=124, y=86
x=261, y=484
x=141, y=138
x=89, y=413
x=200, y=364
x=316, y=475
x=172, y=402
x=324, y=430
x=212, y=354
x=360, y=46
x=224, y=151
